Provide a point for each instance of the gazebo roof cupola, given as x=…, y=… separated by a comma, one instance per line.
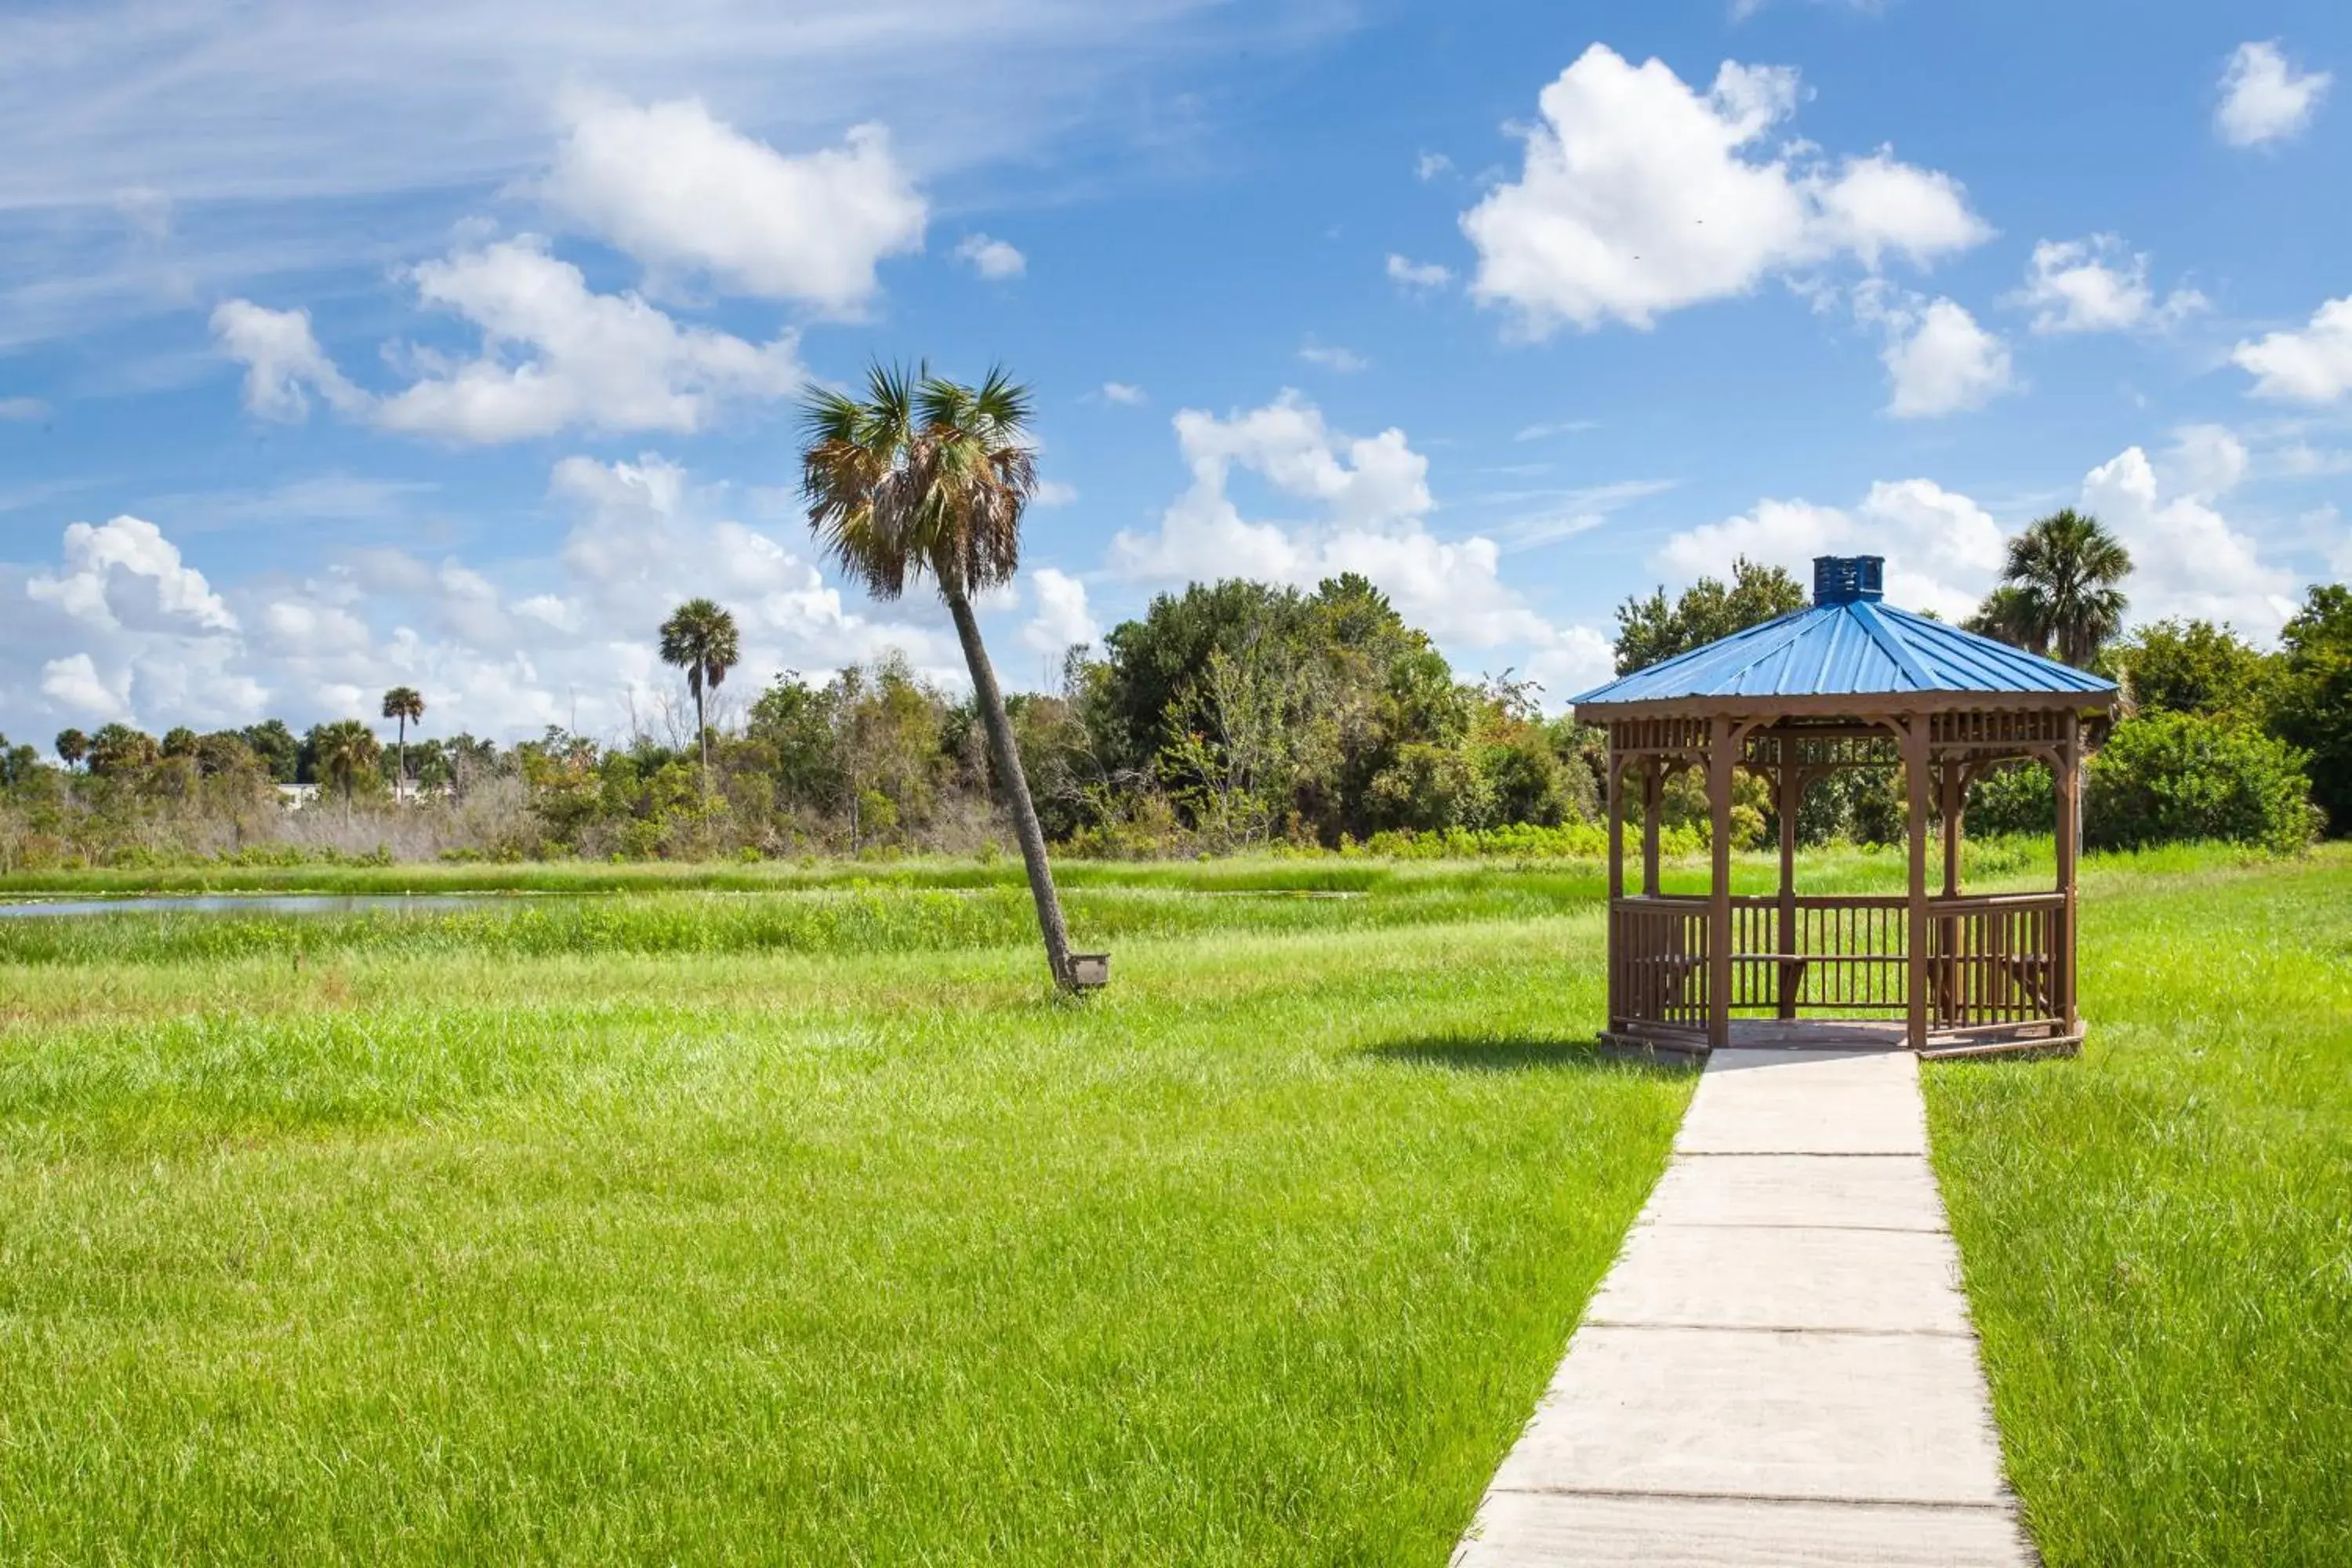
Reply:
x=1842, y=579
x=1848, y=643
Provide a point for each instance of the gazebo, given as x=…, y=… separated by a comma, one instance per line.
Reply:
x=1850, y=682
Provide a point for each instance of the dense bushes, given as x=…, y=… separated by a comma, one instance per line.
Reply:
x=2310, y=702
x=1523, y=841
x=2166, y=777
x=1231, y=716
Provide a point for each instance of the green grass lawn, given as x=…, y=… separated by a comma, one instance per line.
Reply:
x=683, y=1226
x=578, y=1244
x=2157, y=1237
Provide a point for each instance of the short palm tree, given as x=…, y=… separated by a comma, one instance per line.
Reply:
x=699, y=638
x=345, y=750
x=402, y=705
x=925, y=476
x=2006, y=614
x=2063, y=574
x=72, y=747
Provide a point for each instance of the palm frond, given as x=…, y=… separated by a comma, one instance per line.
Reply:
x=924, y=474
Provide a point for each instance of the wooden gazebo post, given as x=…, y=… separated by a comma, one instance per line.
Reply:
x=1791, y=782
x=1915, y=778
x=1721, y=745
x=2069, y=827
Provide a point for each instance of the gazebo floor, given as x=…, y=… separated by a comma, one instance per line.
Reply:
x=1847, y=1034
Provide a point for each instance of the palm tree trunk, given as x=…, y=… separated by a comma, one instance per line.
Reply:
x=1016, y=787
x=402, y=766
x=702, y=739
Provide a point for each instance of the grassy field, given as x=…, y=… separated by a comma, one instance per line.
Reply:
x=1990, y=862
x=668, y=1224
x=2157, y=1237
x=568, y=1240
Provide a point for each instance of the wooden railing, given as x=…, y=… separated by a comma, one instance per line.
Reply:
x=1993, y=961
x=1843, y=952
x=1659, y=975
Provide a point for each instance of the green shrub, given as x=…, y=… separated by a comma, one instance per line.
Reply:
x=2170, y=778
x=2018, y=799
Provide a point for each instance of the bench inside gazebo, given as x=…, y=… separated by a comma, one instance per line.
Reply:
x=1849, y=682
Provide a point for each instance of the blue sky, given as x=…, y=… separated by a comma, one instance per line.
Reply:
x=342, y=348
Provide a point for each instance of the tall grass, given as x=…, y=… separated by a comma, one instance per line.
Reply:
x=1837, y=869
x=1259, y=1259
x=2157, y=1237
x=803, y=1223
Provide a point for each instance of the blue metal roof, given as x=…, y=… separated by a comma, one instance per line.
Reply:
x=1848, y=643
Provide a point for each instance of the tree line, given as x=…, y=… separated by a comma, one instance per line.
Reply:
x=1228, y=716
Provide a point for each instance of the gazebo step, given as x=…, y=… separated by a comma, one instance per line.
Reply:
x=1671, y=1044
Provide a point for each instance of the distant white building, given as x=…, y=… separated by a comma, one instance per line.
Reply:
x=295, y=796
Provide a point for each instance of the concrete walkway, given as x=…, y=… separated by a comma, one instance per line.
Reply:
x=1779, y=1367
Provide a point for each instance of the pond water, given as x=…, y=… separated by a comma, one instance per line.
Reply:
x=247, y=904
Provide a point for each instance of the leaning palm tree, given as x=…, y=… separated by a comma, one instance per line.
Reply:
x=345, y=750
x=402, y=705
x=928, y=476
x=2065, y=570
x=699, y=638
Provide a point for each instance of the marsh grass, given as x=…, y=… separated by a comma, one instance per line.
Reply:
x=1840, y=869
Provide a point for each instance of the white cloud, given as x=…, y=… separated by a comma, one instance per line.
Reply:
x=1743, y=10
x=1559, y=428
x=1054, y=492
x=148, y=634
x=1372, y=492
x=123, y=627
x=1062, y=620
x=991, y=258
x=2337, y=539
x=73, y=684
x=2095, y=285
x=1346, y=361
x=281, y=357
x=549, y=610
x=2312, y=365
x=1639, y=197
x=1428, y=165
x=1413, y=274
x=554, y=356
x=23, y=408
x=677, y=189
x=125, y=572
x=1943, y=551
x=146, y=210
x=270, y=126
x=1568, y=513
x=2186, y=559
x=1939, y=360
x=2206, y=461
x=1122, y=392
x=1579, y=660
x=2265, y=98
